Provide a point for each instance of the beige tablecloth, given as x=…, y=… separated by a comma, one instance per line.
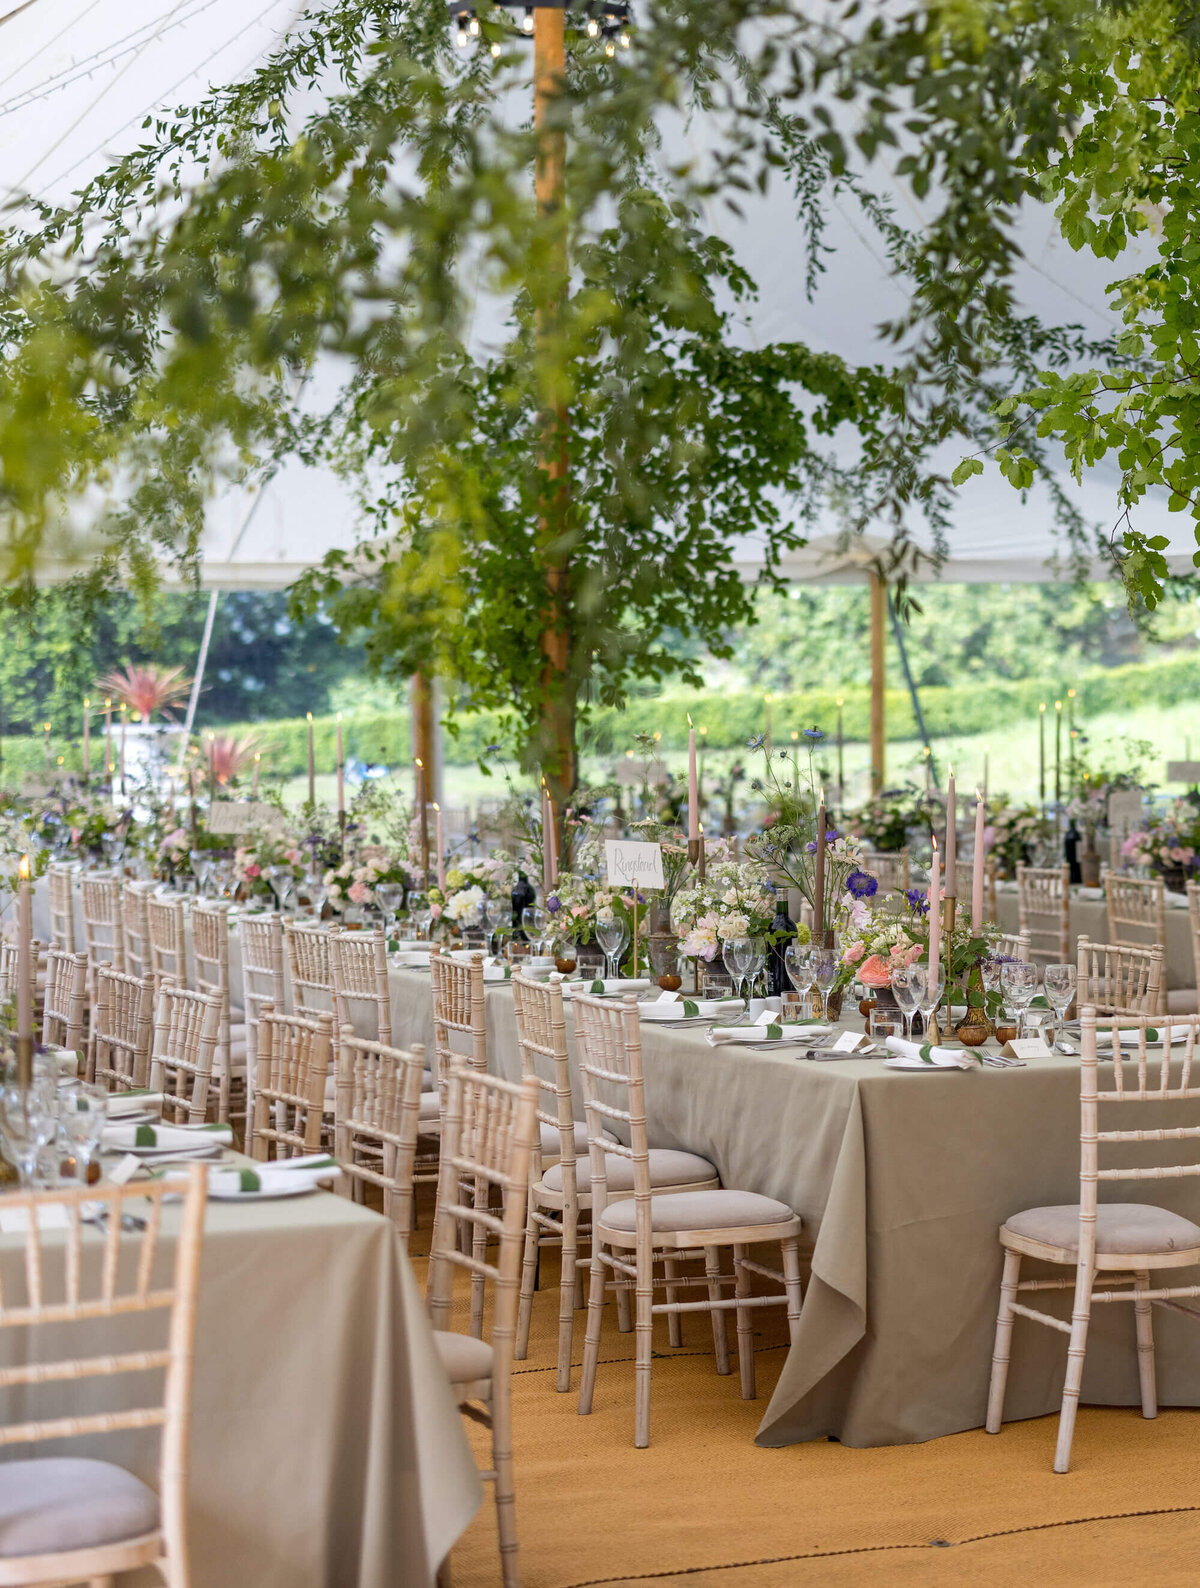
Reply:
x=326, y=1449
x=1089, y=918
x=902, y=1180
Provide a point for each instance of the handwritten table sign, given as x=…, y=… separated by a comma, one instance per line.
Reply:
x=1183, y=771
x=242, y=816
x=633, y=864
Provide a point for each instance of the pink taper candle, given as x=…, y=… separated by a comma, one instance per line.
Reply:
x=951, y=840
x=25, y=952
x=693, y=787
x=977, y=871
x=935, y=908
x=545, y=839
x=553, y=842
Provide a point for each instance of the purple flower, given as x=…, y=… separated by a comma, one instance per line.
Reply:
x=814, y=734
x=862, y=885
x=917, y=901
x=553, y=903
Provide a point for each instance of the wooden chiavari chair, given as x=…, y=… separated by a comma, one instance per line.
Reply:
x=64, y=1009
x=182, y=1052
x=60, y=885
x=81, y=1519
x=262, y=985
x=289, y=1094
x=377, y=1121
x=100, y=905
x=1123, y=1241
x=168, y=941
x=1044, y=911
x=487, y=1136
x=10, y=968
x=892, y=871
x=1015, y=945
x=964, y=871
x=122, y=1029
x=655, y=1226
x=135, y=927
x=1117, y=979
x=358, y=972
x=210, y=960
x=460, y=1035
x=1137, y=914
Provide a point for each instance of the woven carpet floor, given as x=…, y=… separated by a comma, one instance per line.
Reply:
x=704, y=1507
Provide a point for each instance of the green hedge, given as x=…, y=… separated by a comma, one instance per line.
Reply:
x=731, y=719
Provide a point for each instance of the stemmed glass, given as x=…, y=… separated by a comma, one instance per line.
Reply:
x=389, y=896
x=497, y=912
x=202, y=870
x=797, y=961
x=282, y=883
x=735, y=956
x=612, y=937
x=908, y=984
x=421, y=911
x=533, y=924
x=931, y=992
x=82, y=1114
x=28, y=1122
x=1019, y=981
x=113, y=845
x=1059, y=982
x=825, y=964
x=756, y=959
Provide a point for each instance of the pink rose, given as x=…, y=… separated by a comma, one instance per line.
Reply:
x=435, y=910
x=875, y=972
x=359, y=893
x=854, y=953
x=254, y=871
x=913, y=954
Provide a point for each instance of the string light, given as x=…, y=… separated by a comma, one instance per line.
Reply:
x=624, y=41
x=495, y=51
x=473, y=26
x=610, y=49
x=527, y=22
x=593, y=28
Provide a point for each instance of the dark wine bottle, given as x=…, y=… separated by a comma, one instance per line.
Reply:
x=1071, y=851
x=523, y=895
x=783, y=931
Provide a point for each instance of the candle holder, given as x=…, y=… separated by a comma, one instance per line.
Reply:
x=25, y=1061
x=693, y=851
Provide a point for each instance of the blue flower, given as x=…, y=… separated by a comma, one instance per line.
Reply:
x=862, y=885
x=814, y=734
x=493, y=749
x=917, y=901
x=757, y=742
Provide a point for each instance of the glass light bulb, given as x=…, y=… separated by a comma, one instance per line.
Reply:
x=474, y=26
x=495, y=50
x=462, y=38
x=624, y=41
x=610, y=49
x=527, y=22
x=593, y=28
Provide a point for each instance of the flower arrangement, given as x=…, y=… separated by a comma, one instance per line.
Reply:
x=1170, y=844
x=1012, y=831
x=734, y=900
x=253, y=860
x=884, y=821
x=573, y=904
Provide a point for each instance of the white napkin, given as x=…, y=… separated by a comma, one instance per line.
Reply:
x=1130, y=1035
x=122, y=1103
x=678, y=1006
x=601, y=985
x=119, y=1138
x=279, y=1176
x=908, y=1057
x=411, y=959
x=66, y=1059
x=719, y=1036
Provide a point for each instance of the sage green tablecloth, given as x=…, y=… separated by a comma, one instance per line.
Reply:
x=902, y=1180
x=326, y=1449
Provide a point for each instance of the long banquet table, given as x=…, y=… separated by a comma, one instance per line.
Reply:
x=902, y=1180
x=326, y=1448
x=1089, y=918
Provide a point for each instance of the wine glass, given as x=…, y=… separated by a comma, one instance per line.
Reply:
x=113, y=845
x=908, y=984
x=826, y=963
x=533, y=924
x=1059, y=982
x=497, y=912
x=421, y=911
x=28, y=1123
x=1019, y=981
x=389, y=896
x=282, y=882
x=931, y=992
x=756, y=959
x=735, y=955
x=612, y=937
x=82, y=1114
x=797, y=961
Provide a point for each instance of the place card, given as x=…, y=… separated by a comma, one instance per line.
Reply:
x=850, y=1042
x=121, y=1173
x=1025, y=1048
x=634, y=865
x=667, y=998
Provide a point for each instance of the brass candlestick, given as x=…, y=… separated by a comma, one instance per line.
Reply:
x=693, y=851
x=24, y=1061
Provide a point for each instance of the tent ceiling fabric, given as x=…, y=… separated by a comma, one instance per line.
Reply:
x=79, y=77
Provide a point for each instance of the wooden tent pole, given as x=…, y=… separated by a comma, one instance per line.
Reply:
x=878, y=681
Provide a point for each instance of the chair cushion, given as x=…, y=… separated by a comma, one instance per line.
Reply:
x=699, y=1210
x=429, y=1106
x=463, y=1357
x=667, y=1167
x=1121, y=1227
x=56, y=1504
x=1183, y=1001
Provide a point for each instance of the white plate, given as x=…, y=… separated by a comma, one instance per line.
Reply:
x=273, y=1195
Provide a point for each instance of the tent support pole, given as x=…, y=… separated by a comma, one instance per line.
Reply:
x=898, y=632
x=189, y=721
x=425, y=735
x=879, y=605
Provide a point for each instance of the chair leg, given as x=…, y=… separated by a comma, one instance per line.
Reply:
x=445, y=1578
x=644, y=1348
x=1076, y=1352
x=591, y=1348
x=1002, y=1349
x=502, y=1466
x=479, y=1253
x=712, y=1268
x=528, y=1275
x=1142, y=1312
x=674, y=1319
x=745, y=1326
x=568, y=1280
x=792, y=1285
x=624, y=1311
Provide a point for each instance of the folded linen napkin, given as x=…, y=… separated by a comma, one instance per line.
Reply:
x=167, y=1137
x=136, y=1102
x=601, y=985
x=719, y=1036
x=279, y=1176
x=411, y=959
x=908, y=1057
x=679, y=1007
x=1155, y=1034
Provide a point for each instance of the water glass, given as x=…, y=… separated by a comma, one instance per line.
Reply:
x=757, y=958
x=389, y=896
x=282, y=883
x=28, y=1123
x=612, y=937
x=82, y=1114
x=797, y=961
x=908, y=984
x=1059, y=982
x=1019, y=982
x=931, y=992
x=421, y=911
x=736, y=953
x=497, y=913
x=533, y=924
